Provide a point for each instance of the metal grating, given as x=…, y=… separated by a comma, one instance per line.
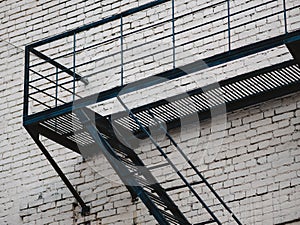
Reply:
x=70, y=127
x=238, y=89
x=229, y=91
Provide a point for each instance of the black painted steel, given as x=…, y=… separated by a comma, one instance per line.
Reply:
x=76, y=131
x=26, y=83
x=131, y=182
x=169, y=75
x=193, y=167
x=56, y=64
x=294, y=48
x=143, y=128
x=35, y=136
x=272, y=81
x=249, y=89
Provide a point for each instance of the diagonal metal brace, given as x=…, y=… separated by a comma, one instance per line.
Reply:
x=58, y=65
x=85, y=209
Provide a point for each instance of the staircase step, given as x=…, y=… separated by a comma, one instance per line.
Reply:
x=157, y=200
x=158, y=166
x=121, y=152
x=182, y=186
x=143, y=182
x=140, y=170
x=206, y=222
x=127, y=162
x=145, y=186
x=172, y=219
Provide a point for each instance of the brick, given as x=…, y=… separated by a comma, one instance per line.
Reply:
x=282, y=162
x=253, y=118
x=283, y=116
x=239, y=129
x=264, y=128
x=239, y=143
x=264, y=122
x=284, y=131
x=262, y=137
x=286, y=108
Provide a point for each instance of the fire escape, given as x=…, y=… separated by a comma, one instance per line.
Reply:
x=57, y=107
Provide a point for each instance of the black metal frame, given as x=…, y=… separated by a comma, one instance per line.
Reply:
x=187, y=184
x=33, y=131
x=230, y=105
x=102, y=125
x=32, y=122
x=125, y=175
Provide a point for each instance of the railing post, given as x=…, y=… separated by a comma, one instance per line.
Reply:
x=56, y=87
x=173, y=33
x=285, y=17
x=228, y=22
x=122, y=51
x=26, y=82
x=74, y=64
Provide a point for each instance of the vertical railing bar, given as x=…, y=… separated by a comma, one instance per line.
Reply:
x=285, y=17
x=56, y=95
x=56, y=88
x=122, y=51
x=173, y=33
x=228, y=22
x=74, y=64
x=26, y=82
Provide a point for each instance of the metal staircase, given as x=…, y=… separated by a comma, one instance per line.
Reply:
x=70, y=122
x=133, y=172
x=99, y=138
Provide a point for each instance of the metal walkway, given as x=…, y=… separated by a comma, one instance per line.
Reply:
x=234, y=93
x=73, y=125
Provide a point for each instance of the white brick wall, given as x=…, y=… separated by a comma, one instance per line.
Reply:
x=256, y=168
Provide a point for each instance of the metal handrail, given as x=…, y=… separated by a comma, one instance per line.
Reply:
x=137, y=31
x=71, y=70
x=159, y=39
x=211, y=213
x=203, y=179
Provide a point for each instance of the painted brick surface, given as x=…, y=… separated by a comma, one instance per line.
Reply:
x=252, y=158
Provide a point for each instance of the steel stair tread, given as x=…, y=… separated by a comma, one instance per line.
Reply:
x=183, y=186
x=205, y=222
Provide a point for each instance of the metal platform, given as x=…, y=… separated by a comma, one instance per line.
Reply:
x=235, y=93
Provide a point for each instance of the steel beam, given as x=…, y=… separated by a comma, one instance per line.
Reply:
x=98, y=23
x=35, y=136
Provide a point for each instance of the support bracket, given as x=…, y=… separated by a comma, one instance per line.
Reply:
x=85, y=209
